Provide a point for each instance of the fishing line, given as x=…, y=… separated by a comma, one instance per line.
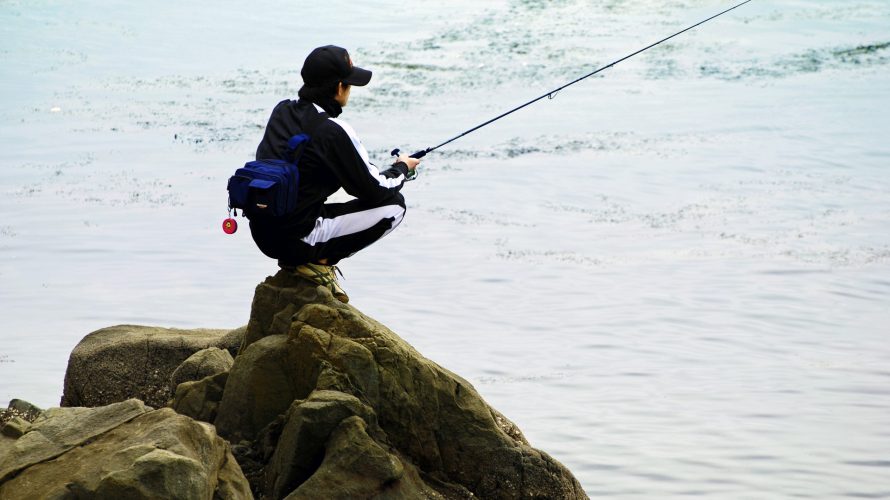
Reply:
x=551, y=94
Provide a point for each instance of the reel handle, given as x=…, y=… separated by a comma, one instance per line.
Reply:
x=419, y=154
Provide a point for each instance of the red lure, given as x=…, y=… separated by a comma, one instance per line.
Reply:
x=230, y=226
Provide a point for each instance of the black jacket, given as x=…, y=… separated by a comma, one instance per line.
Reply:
x=333, y=158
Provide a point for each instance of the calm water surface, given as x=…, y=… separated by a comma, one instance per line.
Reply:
x=674, y=278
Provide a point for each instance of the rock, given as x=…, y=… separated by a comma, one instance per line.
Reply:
x=348, y=407
x=123, y=450
x=302, y=443
x=204, y=363
x=198, y=383
x=232, y=340
x=59, y=430
x=275, y=301
x=15, y=427
x=20, y=409
x=122, y=362
x=356, y=466
x=262, y=384
x=157, y=474
x=326, y=451
x=200, y=399
x=322, y=401
x=24, y=409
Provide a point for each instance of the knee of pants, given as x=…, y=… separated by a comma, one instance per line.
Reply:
x=400, y=215
x=399, y=200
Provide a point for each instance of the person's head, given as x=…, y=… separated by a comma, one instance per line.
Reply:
x=328, y=73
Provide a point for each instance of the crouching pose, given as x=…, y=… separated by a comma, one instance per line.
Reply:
x=311, y=240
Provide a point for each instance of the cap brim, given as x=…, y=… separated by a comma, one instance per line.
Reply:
x=358, y=77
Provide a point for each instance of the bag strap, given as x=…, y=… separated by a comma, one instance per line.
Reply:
x=297, y=143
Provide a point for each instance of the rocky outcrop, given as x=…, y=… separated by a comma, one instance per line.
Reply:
x=123, y=362
x=321, y=401
x=322, y=398
x=123, y=450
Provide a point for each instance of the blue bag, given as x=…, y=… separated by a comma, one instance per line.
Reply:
x=268, y=188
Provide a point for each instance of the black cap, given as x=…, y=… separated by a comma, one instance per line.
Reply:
x=330, y=64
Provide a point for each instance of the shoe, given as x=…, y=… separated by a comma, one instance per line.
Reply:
x=325, y=276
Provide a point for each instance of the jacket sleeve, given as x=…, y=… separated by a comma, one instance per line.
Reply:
x=348, y=159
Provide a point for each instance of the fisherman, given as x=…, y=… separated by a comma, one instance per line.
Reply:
x=311, y=240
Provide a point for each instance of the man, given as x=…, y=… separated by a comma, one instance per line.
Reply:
x=311, y=240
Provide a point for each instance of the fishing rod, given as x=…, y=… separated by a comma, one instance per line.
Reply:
x=552, y=93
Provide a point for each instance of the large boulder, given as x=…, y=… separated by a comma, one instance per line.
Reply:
x=122, y=362
x=123, y=450
x=332, y=400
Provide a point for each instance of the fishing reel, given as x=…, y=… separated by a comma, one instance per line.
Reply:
x=412, y=174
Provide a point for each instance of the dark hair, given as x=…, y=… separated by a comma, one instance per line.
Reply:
x=321, y=92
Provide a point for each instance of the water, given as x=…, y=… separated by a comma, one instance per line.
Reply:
x=674, y=277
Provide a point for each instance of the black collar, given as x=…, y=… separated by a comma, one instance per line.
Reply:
x=330, y=105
